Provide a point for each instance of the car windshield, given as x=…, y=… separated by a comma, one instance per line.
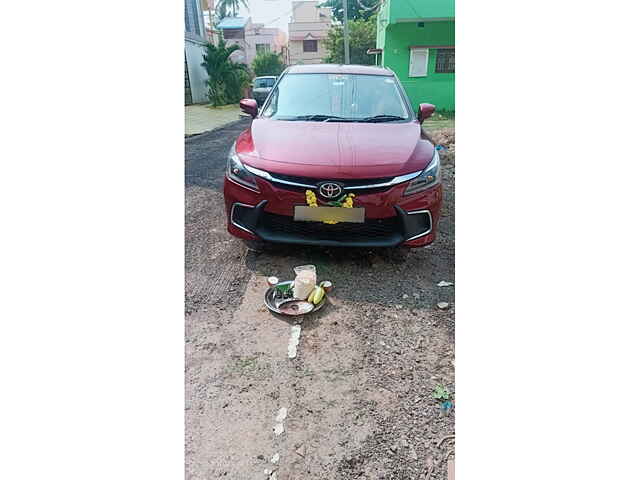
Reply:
x=264, y=82
x=337, y=97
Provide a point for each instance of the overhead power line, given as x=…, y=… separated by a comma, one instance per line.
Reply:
x=375, y=7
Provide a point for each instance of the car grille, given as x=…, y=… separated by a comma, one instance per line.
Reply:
x=382, y=231
x=345, y=183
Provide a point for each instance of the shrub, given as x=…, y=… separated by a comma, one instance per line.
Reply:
x=226, y=78
x=267, y=63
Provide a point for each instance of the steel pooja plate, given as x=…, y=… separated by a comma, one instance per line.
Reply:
x=274, y=303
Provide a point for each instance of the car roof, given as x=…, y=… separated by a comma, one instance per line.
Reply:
x=334, y=68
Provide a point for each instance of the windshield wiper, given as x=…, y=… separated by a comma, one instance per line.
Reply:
x=320, y=118
x=381, y=118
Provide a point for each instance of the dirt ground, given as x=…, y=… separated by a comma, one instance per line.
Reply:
x=358, y=393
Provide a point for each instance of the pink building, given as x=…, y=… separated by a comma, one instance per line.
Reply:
x=253, y=38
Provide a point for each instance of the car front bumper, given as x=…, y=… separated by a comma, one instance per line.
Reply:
x=391, y=219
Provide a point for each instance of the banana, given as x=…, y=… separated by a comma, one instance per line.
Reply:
x=311, y=295
x=318, y=294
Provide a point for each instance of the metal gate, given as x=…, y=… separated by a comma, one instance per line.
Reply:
x=188, y=99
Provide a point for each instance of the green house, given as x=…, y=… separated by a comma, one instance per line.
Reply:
x=417, y=41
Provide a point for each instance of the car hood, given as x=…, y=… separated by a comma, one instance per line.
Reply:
x=335, y=150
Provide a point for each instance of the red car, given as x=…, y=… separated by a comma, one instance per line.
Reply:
x=328, y=137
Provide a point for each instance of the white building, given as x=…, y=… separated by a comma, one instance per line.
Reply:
x=195, y=75
x=308, y=28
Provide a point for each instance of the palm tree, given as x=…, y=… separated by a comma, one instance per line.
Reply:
x=234, y=5
x=226, y=78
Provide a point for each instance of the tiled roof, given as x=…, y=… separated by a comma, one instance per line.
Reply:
x=232, y=22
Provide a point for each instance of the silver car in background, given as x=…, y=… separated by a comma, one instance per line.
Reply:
x=261, y=88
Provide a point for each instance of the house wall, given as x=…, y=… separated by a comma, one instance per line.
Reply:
x=197, y=73
x=415, y=10
x=297, y=55
x=242, y=42
x=312, y=23
x=194, y=41
x=270, y=36
x=308, y=11
x=396, y=38
x=242, y=55
x=253, y=34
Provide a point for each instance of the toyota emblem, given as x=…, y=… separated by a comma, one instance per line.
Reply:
x=330, y=190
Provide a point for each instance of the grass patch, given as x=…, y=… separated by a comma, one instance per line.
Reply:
x=249, y=362
x=441, y=120
x=242, y=366
x=444, y=115
x=231, y=106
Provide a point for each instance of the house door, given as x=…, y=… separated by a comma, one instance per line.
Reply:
x=188, y=99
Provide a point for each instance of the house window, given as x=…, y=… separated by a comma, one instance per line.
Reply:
x=233, y=33
x=309, y=45
x=418, y=62
x=262, y=48
x=446, y=60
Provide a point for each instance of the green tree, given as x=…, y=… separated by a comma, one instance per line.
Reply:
x=233, y=6
x=267, y=63
x=362, y=36
x=226, y=78
x=357, y=9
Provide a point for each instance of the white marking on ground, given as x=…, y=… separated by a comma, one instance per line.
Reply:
x=282, y=414
x=294, y=340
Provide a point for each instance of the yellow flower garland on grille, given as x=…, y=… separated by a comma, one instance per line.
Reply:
x=312, y=201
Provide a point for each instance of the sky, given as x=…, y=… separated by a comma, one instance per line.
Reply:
x=275, y=13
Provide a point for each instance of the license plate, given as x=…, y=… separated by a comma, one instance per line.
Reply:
x=321, y=214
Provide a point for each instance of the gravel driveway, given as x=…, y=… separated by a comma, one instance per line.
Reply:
x=358, y=393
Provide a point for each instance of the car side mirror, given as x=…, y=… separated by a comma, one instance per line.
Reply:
x=425, y=111
x=250, y=106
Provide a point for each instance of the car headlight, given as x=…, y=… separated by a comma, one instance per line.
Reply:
x=430, y=176
x=237, y=172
